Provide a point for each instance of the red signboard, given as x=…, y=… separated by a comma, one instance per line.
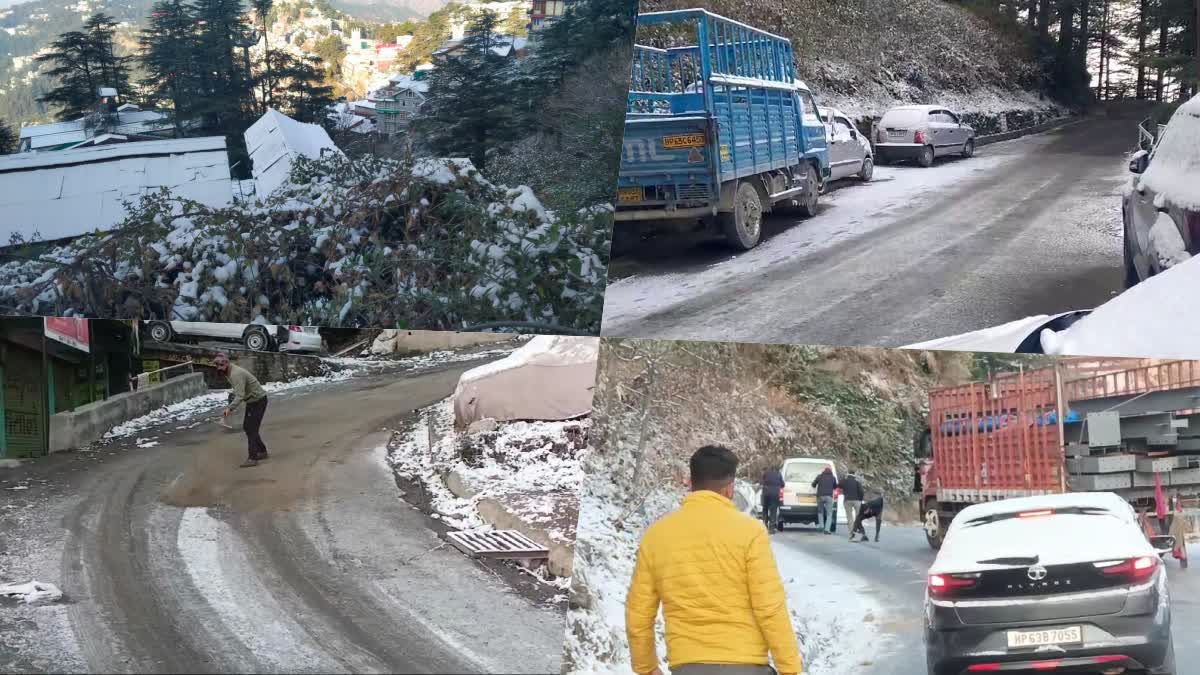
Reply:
x=69, y=331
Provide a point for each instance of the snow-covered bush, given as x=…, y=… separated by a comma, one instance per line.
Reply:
x=428, y=243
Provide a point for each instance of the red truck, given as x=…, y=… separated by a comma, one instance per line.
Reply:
x=1120, y=426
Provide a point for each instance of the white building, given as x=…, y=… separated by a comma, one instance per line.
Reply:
x=275, y=140
x=128, y=121
x=64, y=194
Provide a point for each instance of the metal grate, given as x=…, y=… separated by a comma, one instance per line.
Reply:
x=508, y=544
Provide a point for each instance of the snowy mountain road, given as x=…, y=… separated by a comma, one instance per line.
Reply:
x=172, y=559
x=1028, y=226
x=891, y=574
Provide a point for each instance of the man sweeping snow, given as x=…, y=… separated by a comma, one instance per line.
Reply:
x=247, y=390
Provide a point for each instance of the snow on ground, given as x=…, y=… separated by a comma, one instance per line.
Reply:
x=830, y=607
x=533, y=468
x=31, y=592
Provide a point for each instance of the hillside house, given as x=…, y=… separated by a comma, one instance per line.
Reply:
x=398, y=101
x=125, y=123
x=542, y=13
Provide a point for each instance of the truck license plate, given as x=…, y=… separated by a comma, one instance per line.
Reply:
x=629, y=194
x=1038, y=638
x=684, y=141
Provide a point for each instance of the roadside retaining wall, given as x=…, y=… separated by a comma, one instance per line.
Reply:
x=266, y=366
x=88, y=424
x=411, y=342
x=1035, y=129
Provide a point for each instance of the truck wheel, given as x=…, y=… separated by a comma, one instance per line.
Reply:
x=808, y=204
x=743, y=225
x=160, y=331
x=256, y=340
x=868, y=170
x=925, y=159
x=935, y=531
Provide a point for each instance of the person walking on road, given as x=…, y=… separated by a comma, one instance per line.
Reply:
x=247, y=390
x=870, y=509
x=826, y=483
x=852, y=498
x=711, y=570
x=1180, y=530
x=772, y=487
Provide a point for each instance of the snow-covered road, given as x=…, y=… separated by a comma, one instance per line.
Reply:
x=172, y=559
x=1029, y=226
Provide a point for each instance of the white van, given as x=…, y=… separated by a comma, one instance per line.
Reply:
x=799, y=503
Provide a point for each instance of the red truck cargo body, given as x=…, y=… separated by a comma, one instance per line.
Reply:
x=994, y=440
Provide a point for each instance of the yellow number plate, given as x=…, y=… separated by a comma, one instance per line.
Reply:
x=806, y=499
x=629, y=194
x=684, y=141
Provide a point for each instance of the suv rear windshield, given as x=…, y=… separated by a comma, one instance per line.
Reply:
x=904, y=118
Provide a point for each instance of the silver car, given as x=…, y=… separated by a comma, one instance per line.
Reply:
x=850, y=152
x=922, y=133
x=1159, y=207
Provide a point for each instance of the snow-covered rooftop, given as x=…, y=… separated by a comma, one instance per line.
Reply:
x=67, y=193
x=275, y=139
x=42, y=136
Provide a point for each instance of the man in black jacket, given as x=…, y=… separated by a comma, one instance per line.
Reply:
x=826, y=483
x=772, y=484
x=871, y=509
x=852, y=498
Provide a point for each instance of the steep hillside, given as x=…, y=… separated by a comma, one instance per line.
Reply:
x=389, y=10
x=865, y=55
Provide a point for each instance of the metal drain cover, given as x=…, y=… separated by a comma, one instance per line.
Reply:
x=505, y=544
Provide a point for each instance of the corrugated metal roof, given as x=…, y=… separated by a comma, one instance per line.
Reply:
x=68, y=193
x=274, y=140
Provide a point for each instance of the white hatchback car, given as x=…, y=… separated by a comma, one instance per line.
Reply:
x=850, y=152
x=922, y=133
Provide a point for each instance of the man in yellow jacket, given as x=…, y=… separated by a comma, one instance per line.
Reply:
x=711, y=568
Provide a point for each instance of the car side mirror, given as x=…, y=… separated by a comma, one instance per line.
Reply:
x=1139, y=163
x=854, y=134
x=1163, y=544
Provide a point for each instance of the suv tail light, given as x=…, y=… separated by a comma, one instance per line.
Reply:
x=295, y=329
x=881, y=135
x=919, y=137
x=1134, y=569
x=781, y=494
x=942, y=585
x=1192, y=222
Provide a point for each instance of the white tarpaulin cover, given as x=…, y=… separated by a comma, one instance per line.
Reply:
x=550, y=378
x=275, y=140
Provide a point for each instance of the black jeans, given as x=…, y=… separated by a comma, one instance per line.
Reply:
x=251, y=424
x=770, y=512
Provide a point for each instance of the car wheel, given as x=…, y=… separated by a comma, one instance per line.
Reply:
x=925, y=159
x=935, y=531
x=969, y=148
x=1168, y=666
x=256, y=340
x=743, y=225
x=160, y=331
x=1131, y=273
x=868, y=170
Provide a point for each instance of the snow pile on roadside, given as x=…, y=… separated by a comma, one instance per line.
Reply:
x=533, y=468
x=1156, y=318
x=1175, y=171
x=363, y=242
x=32, y=592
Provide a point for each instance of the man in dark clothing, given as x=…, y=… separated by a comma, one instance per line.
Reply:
x=871, y=509
x=826, y=483
x=852, y=497
x=772, y=484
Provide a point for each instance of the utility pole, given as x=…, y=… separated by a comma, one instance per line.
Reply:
x=1062, y=434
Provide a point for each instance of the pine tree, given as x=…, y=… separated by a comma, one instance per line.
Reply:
x=262, y=11
x=8, y=139
x=83, y=61
x=226, y=100
x=169, y=46
x=468, y=109
x=299, y=87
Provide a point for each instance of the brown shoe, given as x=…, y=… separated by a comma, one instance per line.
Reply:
x=248, y=463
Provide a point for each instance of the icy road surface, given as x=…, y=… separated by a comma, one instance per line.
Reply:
x=172, y=559
x=894, y=571
x=1029, y=226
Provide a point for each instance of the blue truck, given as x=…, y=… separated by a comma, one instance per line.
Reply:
x=717, y=132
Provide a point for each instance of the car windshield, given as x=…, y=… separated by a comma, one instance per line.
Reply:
x=802, y=472
x=1048, y=536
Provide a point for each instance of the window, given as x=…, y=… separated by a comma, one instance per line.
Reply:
x=841, y=127
x=808, y=109
x=950, y=117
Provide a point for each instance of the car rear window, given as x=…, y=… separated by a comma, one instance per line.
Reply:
x=903, y=118
x=802, y=472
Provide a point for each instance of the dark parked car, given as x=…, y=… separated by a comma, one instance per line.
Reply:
x=1062, y=583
